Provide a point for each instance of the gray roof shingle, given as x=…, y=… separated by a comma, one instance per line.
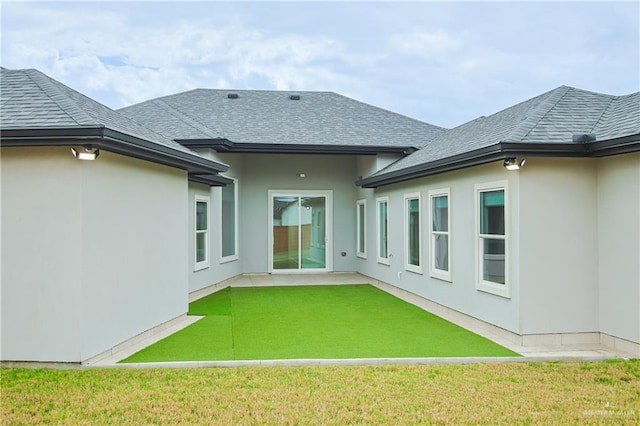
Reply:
x=30, y=99
x=272, y=117
x=551, y=118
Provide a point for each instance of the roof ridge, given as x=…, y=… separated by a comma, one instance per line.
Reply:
x=69, y=106
x=188, y=119
x=604, y=110
x=538, y=113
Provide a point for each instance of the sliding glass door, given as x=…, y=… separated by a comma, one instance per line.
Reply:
x=299, y=231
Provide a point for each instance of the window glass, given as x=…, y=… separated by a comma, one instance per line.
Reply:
x=492, y=212
x=440, y=232
x=492, y=231
x=201, y=215
x=229, y=228
x=413, y=231
x=201, y=233
x=383, y=248
x=362, y=231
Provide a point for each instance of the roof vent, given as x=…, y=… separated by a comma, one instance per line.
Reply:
x=294, y=97
x=584, y=137
x=232, y=96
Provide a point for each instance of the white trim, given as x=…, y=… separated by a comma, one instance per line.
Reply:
x=503, y=290
x=204, y=263
x=408, y=266
x=328, y=194
x=433, y=271
x=383, y=260
x=231, y=257
x=361, y=237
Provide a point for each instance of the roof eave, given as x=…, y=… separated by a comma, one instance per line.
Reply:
x=227, y=146
x=621, y=145
x=113, y=141
x=209, y=179
x=503, y=150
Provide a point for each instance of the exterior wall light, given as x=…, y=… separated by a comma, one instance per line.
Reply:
x=513, y=163
x=87, y=153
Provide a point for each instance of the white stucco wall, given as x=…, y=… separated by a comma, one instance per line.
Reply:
x=134, y=243
x=93, y=253
x=618, y=235
x=262, y=173
x=558, y=246
x=460, y=294
x=41, y=254
x=218, y=270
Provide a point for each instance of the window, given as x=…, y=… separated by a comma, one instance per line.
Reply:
x=383, y=229
x=412, y=240
x=361, y=223
x=440, y=241
x=492, y=242
x=229, y=222
x=202, y=232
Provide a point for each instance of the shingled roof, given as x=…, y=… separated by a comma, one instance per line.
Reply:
x=563, y=122
x=37, y=110
x=280, y=121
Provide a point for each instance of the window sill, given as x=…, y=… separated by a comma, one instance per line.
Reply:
x=200, y=266
x=414, y=269
x=502, y=290
x=441, y=277
x=229, y=259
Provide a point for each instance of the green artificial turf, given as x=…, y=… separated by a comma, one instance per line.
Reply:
x=320, y=322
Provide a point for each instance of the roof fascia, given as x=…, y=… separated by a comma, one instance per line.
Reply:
x=622, y=145
x=112, y=141
x=227, y=146
x=501, y=151
x=209, y=179
x=473, y=158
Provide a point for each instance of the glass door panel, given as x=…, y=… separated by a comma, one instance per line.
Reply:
x=286, y=226
x=299, y=232
x=313, y=228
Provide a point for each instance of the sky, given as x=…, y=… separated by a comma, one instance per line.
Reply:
x=444, y=63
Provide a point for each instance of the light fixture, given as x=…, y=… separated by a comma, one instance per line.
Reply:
x=301, y=175
x=87, y=153
x=513, y=163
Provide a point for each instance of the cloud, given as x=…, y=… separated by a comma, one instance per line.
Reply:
x=433, y=45
x=124, y=63
x=448, y=60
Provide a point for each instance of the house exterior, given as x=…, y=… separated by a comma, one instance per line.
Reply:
x=193, y=189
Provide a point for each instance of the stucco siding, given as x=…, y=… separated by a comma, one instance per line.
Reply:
x=262, y=173
x=218, y=270
x=619, y=246
x=134, y=243
x=41, y=254
x=460, y=294
x=559, y=246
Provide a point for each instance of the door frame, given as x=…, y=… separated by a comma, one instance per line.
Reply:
x=328, y=195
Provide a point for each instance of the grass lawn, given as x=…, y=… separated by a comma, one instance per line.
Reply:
x=317, y=322
x=510, y=393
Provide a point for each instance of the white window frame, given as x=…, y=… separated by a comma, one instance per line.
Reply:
x=234, y=256
x=204, y=263
x=361, y=237
x=433, y=271
x=503, y=290
x=383, y=260
x=408, y=266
